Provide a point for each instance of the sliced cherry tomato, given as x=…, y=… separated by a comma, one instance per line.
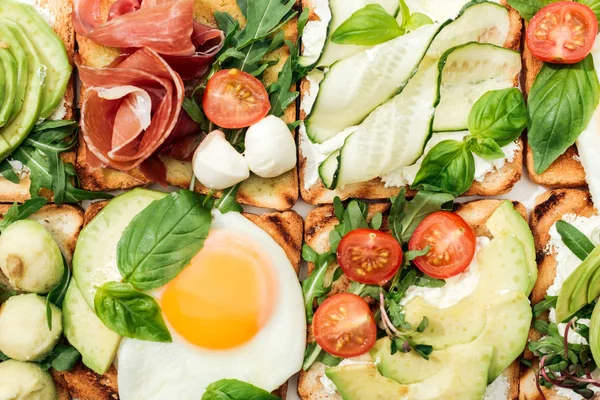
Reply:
x=369, y=256
x=234, y=99
x=451, y=241
x=562, y=32
x=344, y=326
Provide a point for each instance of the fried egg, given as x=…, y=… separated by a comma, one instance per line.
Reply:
x=236, y=312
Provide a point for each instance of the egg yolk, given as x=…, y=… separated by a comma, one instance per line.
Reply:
x=224, y=296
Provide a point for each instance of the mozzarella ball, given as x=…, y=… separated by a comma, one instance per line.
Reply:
x=25, y=381
x=30, y=258
x=24, y=333
x=270, y=147
x=217, y=164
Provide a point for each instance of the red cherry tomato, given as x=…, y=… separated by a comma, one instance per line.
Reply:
x=451, y=241
x=234, y=99
x=562, y=32
x=369, y=256
x=344, y=325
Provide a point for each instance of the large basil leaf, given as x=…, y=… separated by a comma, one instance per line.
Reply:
x=448, y=167
x=500, y=115
x=368, y=26
x=528, y=8
x=232, y=389
x=161, y=240
x=574, y=239
x=130, y=313
x=486, y=148
x=562, y=101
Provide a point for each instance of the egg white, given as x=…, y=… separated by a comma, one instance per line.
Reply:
x=180, y=370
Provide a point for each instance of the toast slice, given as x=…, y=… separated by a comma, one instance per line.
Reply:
x=61, y=11
x=495, y=183
x=550, y=207
x=322, y=220
x=285, y=228
x=279, y=193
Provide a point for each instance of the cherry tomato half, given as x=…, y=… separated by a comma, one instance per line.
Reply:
x=562, y=32
x=344, y=326
x=234, y=99
x=369, y=256
x=451, y=241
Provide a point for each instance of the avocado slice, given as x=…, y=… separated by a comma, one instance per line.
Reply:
x=95, y=257
x=580, y=288
x=17, y=52
x=508, y=220
x=17, y=130
x=503, y=268
x=464, y=377
x=595, y=333
x=49, y=47
x=9, y=84
x=97, y=344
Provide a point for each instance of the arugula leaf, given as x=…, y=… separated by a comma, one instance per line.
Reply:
x=227, y=202
x=18, y=212
x=368, y=26
x=448, y=167
x=130, y=313
x=7, y=172
x=232, y=389
x=58, y=292
x=528, y=8
x=562, y=101
x=63, y=357
x=6, y=293
x=575, y=240
x=485, y=148
x=376, y=221
x=162, y=239
x=314, y=353
x=243, y=5
x=500, y=115
x=427, y=281
x=194, y=111
x=3, y=357
x=544, y=305
x=313, y=286
x=280, y=94
x=263, y=18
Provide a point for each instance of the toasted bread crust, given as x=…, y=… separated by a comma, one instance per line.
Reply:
x=550, y=207
x=279, y=193
x=320, y=221
x=285, y=228
x=495, y=183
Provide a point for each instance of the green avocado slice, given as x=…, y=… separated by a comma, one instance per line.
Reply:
x=18, y=54
x=9, y=78
x=50, y=49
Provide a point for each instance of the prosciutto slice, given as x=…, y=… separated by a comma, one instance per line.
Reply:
x=130, y=109
x=165, y=26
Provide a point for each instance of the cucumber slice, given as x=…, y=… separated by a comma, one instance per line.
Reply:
x=319, y=50
x=9, y=77
x=50, y=49
x=20, y=57
x=468, y=72
x=437, y=10
x=328, y=170
x=355, y=86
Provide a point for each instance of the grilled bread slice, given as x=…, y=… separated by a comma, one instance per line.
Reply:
x=61, y=11
x=322, y=220
x=550, y=207
x=285, y=228
x=495, y=183
x=279, y=193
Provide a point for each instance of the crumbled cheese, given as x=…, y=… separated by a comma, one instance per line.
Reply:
x=329, y=386
x=60, y=112
x=497, y=390
x=19, y=168
x=456, y=288
x=406, y=175
x=43, y=11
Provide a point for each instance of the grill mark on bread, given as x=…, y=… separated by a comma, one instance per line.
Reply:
x=545, y=207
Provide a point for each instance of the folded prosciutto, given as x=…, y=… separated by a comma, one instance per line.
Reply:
x=130, y=109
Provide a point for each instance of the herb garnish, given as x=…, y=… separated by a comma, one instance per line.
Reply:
x=57, y=294
x=232, y=389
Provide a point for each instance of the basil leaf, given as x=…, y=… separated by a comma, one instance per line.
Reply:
x=130, y=313
x=448, y=167
x=486, y=148
x=62, y=358
x=8, y=173
x=500, y=115
x=161, y=240
x=576, y=241
x=57, y=294
x=263, y=18
x=417, y=20
x=368, y=26
x=17, y=212
x=562, y=101
x=528, y=8
x=6, y=293
x=228, y=201
x=232, y=389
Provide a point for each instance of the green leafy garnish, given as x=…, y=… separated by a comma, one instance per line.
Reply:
x=57, y=294
x=8, y=173
x=368, y=26
x=6, y=293
x=62, y=358
x=227, y=202
x=544, y=305
x=574, y=239
x=130, y=313
x=162, y=239
x=561, y=103
x=18, y=212
x=232, y=389
x=528, y=8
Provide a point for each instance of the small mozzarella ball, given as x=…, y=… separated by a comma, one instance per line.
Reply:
x=25, y=381
x=30, y=258
x=270, y=147
x=24, y=333
x=217, y=164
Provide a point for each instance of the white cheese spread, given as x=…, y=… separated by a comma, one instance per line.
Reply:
x=60, y=112
x=497, y=390
x=43, y=11
x=315, y=32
